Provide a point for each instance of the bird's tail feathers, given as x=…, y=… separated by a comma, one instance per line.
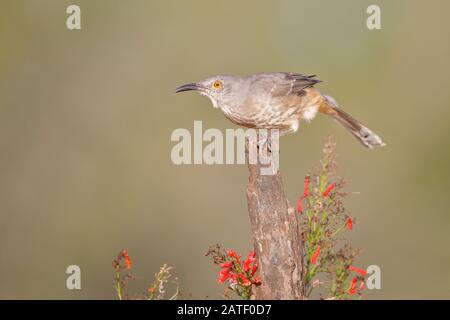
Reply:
x=366, y=136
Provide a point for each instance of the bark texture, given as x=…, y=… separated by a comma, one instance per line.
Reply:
x=276, y=237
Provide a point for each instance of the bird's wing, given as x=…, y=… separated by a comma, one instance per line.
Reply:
x=290, y=84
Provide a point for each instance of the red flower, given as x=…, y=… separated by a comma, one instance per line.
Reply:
x=233, y=278
x=127, y=259
x=233, y=254
x=352, y=286
x=329, y=189
x=245, y=281
x=360, y=271
x=349, y=223
x=236, y=276
x=250, y=259
x=361, y=285
x=299, y=205
x=223, y=275
x=315, y=255
x=246, y=265
x=251, y=256
x=254, y=269
x=256, y=280
x=306, y=187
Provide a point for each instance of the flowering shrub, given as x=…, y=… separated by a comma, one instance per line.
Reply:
x=239, y=275
x=323, y=218
x=156, y=291
x=328, y=257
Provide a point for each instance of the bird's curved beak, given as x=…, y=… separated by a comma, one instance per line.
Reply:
x=188, y=87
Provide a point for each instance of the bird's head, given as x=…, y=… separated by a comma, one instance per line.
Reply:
x=219, y=89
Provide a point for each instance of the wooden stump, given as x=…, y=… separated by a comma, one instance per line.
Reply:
x=276, y=236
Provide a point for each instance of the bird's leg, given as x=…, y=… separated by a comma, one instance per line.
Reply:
x=259, y=146
x=268, y=141
x=268, y=151
x=264, y=142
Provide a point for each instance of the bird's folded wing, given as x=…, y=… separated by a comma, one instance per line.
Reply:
x=289, y=84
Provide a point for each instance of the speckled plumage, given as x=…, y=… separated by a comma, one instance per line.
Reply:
x=276, y=100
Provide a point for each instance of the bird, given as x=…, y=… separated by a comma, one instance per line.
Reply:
x=276, y=100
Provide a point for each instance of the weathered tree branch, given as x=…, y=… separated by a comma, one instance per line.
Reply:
x=276, y=236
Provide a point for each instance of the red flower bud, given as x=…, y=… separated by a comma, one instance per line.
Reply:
x=361, y=285
x=245, y=281
x=233, y=254
x=223, y=275
x=233, y=278
x=256, y=280
x=226, y=265
x=251, y=256
x=127, y=259
x=299, y=205
x=329, y=189
x=246, y=265
x=360, y=271
x=250, y=259
x=306, y=187
x=315, y=255
x=352, y=286
x=349, y=223
x=254, y=268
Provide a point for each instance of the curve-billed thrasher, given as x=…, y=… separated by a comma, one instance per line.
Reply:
x=276, y=100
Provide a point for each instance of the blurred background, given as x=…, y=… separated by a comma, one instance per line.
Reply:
x=86, y=118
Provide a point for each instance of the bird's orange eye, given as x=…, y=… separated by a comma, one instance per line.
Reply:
x=217, y=84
